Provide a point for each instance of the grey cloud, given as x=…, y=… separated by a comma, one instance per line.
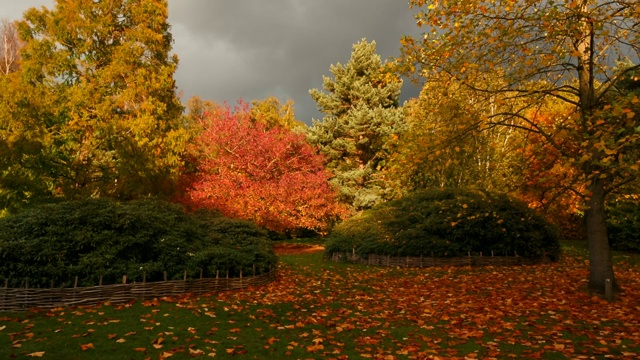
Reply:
x=252, y=49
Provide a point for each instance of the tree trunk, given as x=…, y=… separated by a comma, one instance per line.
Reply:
x=600, y=265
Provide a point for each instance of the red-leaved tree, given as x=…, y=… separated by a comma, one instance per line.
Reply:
x=270, y=176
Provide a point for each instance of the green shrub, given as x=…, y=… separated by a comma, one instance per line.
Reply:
x=447, y=224
x=623, y=225
x=95, y=237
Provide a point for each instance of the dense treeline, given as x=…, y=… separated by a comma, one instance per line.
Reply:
x=514, y=99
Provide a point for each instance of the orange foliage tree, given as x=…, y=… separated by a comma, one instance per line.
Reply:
x=549, y=183
x=270, y=176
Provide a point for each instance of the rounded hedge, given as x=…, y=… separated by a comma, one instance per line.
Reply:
x=623, y=225
x=89, y=238
x=447, y=223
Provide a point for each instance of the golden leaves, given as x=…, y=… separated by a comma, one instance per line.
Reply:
x=86, y=347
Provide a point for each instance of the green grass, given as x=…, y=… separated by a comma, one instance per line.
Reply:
x=318, y=309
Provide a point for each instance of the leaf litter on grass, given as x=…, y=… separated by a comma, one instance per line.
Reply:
x=319, y=309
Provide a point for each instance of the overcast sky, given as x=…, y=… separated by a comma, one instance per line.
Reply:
x=251, y=49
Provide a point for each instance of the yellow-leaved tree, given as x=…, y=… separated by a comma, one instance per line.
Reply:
x=580, y=52
x=92, y=109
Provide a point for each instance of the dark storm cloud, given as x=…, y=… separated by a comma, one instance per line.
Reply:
x=251, y=49
x=256, y=48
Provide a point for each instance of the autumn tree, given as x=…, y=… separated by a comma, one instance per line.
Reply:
x=362, y=118
x=434, y=153
x=270, y=112
x=271, y=176
x=560, y=50
x=95, y=100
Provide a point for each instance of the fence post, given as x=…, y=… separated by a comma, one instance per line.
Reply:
x=75, y=289
x=101, y=289
x=201, y=274
x=144, y=284
x=26, y=292
x=608, y=290
x=185, y=276
x=124, y=279
x=4, y=296
x=165, y=275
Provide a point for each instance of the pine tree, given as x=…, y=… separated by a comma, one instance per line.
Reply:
x=362, y=120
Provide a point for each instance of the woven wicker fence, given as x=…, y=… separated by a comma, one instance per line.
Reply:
x=20, y=299
x=426, y=261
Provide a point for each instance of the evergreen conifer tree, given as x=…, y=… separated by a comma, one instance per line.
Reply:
x=362, y=120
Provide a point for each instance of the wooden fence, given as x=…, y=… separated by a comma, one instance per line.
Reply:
x=430, y=261
x=20, y=299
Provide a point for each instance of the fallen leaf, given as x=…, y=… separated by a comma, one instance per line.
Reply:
x=86, y=347
x=36, y=354
x=196, y=352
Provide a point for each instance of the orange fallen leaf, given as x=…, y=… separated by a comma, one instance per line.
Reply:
x=196, y=352
x=86, y=347
x=36, y=354
x=140, y=349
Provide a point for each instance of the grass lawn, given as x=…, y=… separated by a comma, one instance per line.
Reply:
x=319, y=309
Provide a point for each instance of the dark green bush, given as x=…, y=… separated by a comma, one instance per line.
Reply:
x=89, y=238
x=623, y=225
x=447, y=224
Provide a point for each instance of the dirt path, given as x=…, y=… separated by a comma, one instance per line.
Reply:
x=290, y=249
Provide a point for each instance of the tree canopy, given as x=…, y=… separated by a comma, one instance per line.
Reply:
x=362, y=118
x=577, y=52
x=92, y=110
x=271, y=176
